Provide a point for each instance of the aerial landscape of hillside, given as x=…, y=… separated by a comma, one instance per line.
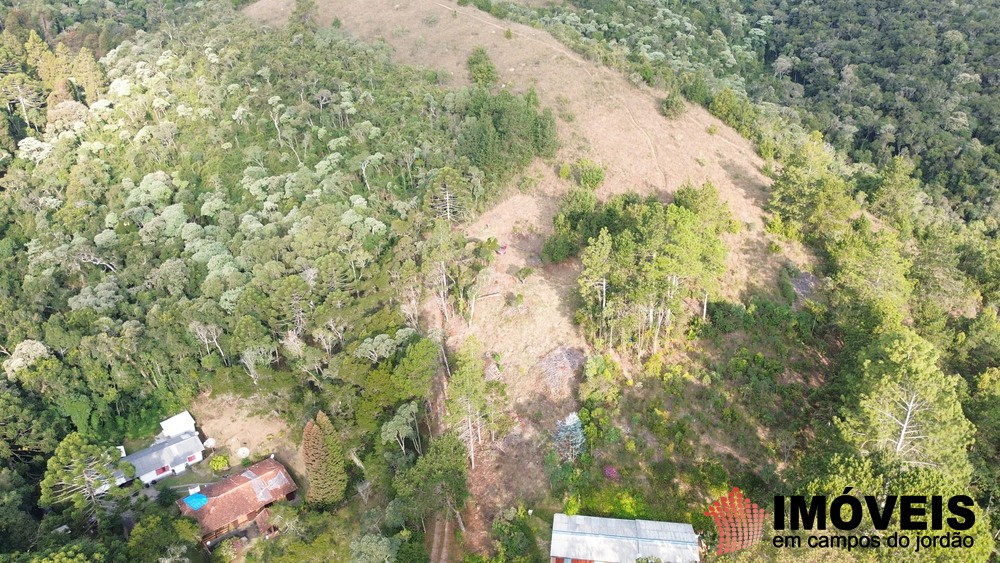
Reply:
x=499, y=281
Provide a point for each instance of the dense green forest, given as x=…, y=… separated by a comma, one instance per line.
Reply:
x=917, y=79
x=242, y=213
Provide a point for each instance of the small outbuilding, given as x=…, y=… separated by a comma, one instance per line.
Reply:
x=177, y=425
x=239, y=501
x=589, y=539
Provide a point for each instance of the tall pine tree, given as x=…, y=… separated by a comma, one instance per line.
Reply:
x=80, y=479
x=324, y=462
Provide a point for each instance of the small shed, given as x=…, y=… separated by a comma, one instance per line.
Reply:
x=178, y=424
x=589, y=539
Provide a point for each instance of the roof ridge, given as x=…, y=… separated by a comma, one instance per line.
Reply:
x=229, y=486
x=616, y=536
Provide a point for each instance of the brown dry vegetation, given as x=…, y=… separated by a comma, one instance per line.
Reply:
x=603, y=117
x=235, y=423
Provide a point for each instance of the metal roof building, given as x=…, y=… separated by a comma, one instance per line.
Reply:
x=178, y=424
x=173, y=450
x=588, y=539
x=172, y=453
x=162, y=458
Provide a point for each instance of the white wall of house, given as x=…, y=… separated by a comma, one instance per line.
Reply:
x=193, y=459
x=171, y=470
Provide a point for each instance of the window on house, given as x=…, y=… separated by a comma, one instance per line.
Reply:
x=191, y=458
x=163, y=470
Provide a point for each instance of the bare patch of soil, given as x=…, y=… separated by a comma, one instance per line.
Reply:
x=522, y=332
x=805, y=285
x=237, y=423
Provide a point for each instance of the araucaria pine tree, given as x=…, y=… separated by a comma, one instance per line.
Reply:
x=324, y=460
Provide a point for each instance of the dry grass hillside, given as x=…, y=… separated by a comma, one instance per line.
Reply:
x=615, y=123
x=602, y=117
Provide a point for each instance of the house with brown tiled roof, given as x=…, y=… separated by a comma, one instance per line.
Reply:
x=239, y=501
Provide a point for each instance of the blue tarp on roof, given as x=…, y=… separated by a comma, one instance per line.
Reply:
x=196, y=501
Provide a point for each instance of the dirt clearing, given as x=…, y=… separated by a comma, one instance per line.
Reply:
x=523, y=323
x=237, y=423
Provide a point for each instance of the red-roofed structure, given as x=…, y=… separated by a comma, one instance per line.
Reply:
x=241, y=500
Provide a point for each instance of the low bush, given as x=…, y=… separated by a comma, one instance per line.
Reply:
x=589, y=174
x=672, y=105
x=218, y=463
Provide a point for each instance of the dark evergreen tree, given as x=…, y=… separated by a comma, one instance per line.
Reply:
x=324, y=458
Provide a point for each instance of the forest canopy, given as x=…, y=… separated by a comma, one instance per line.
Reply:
x=918, y=79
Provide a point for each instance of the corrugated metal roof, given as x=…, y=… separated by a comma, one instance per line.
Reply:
x=177, y=425
x=170, y=452
x=613, y=540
